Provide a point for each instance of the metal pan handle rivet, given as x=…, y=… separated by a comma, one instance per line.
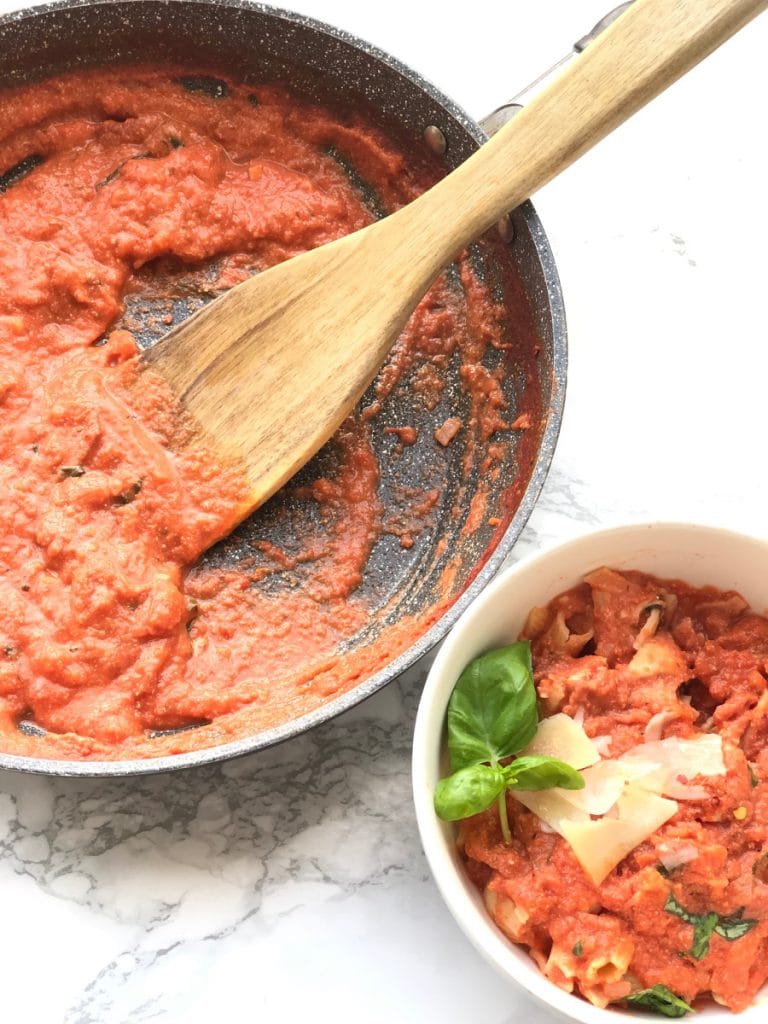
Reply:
x=435, y=139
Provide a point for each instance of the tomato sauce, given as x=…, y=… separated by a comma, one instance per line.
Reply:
x=697, y=667
x=111, y=639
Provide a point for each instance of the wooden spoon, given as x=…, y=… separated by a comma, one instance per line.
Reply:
x=269, y=370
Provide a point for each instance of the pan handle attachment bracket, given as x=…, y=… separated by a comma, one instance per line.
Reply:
x=496, y=120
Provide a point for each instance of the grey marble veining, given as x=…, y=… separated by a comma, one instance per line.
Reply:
x=181, y=882
x=179, y=860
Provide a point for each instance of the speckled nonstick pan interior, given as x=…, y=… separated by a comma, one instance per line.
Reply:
x=257, y=43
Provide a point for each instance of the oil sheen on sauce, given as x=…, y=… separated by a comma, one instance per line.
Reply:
x=112, y=639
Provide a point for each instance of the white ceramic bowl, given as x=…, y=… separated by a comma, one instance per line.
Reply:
x=699, y=555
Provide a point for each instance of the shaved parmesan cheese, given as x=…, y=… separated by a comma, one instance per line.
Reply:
x=624, y=794
x=702, y=755
x=561, y=737
x=604, y=783
x=666, y=766
x=551, y=807
x=600, y=845
x=650, y=774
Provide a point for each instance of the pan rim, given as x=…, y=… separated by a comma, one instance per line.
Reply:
x=436, y=633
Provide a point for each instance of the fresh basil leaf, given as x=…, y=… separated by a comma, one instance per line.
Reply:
x=468, y=791
x=661, y=1000
x=732, y=928
x=533, y=773
x=492, y=712
x=673, y=907
x=703, y=931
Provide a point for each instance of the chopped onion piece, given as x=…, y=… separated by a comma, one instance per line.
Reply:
x=649, y=627
x=656, y=726
x=682, y=791
x=676, y=856
x=602, y=744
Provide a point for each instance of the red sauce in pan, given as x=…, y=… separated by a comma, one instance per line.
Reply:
x=108, y=633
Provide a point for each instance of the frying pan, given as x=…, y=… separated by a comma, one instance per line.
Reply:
x=256, y=43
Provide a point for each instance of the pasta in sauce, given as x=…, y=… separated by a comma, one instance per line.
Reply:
x=642, y=661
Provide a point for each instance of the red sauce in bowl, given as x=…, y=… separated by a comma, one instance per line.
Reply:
x=687, y=908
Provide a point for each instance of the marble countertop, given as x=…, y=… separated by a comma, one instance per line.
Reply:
x=291, y=885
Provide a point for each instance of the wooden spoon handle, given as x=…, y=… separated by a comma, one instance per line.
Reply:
x=269, y=370
x=645, y=50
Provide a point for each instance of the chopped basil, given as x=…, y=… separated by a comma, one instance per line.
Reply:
x=660, y=999
x=109, y=178
x=707, y=925
x=213, y=88
x=126, y=497
x=492, y=715
x=703, y=930
x=753, y=777
x=19, y=171
x=734, y=927
x=578, y=949
x=116, y=173
x=673, y=907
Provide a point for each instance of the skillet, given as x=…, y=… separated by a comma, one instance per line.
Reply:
x=454, y=556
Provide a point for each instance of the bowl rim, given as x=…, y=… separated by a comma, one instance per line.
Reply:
x=438, y=838
x=484, y=571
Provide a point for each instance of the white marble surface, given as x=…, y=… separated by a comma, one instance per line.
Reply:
x=290, y=885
